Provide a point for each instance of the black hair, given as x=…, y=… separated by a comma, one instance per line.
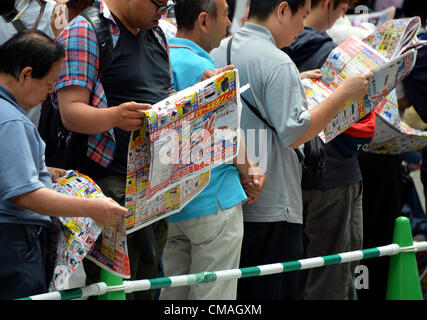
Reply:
x=261, y=9
x=29, y=48
x=412, y=8
x=187, y=11
x=231, y=8
x=6, y=6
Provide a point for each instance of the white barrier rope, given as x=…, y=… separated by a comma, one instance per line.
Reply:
x=203, y=277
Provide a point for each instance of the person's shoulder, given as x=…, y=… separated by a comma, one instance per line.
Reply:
x=11, y=118
x=79, y=27
x=186, y=56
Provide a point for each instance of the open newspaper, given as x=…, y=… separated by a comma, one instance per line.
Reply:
x=392, y=135
x=375, y=18
x=182, y=139
x=394, y=37
x=356, y=56
x=82, y=237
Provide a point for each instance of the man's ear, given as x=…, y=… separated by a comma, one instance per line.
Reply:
x=202, y=22
x=282, y=10
x=25, y=74
x=327, y=5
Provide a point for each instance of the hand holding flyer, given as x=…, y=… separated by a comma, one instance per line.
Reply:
x=182, y=139
x=78, y=236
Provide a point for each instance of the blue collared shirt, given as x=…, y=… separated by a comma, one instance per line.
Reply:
x=22, y=165
x=189, y=61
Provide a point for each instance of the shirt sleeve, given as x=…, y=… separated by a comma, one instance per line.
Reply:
x=81, y=63
x=20, y=168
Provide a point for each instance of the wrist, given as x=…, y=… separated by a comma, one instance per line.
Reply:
x=113, y=116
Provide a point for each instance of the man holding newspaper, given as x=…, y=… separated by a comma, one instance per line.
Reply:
x=272, y=226
x=207, y=234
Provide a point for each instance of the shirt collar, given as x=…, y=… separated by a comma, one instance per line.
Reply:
x=7, y=95
x=186, y=43
x=258, y=30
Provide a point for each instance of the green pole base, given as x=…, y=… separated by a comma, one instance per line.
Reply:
x=111, y=280
x=403, y=278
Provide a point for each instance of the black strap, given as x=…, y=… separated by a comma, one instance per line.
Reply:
x=103, y=35
x=18, y=25
x=299, y=154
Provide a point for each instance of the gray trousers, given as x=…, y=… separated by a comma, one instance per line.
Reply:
x=333, y=223
x=207, y=243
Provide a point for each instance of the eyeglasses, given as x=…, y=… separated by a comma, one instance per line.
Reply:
x=169, y=5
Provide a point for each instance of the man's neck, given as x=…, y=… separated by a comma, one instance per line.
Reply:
x=120, y=11
x=193, y=36
x=269, y=26
x=6, y=82
x=316, y=20
x=11, y=84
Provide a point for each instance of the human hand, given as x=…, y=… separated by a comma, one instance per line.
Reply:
x=253, y=182
x=356, y=85
x=59, y=17
x=211, y=73
x=106, y=211
x=129, y=116
x=311, y=74
x=56, y=173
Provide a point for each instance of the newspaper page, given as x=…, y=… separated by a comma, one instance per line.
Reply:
x=354, y=56
x=78, y=236
x=392, y=135
x=183, y=138
x=394, y=36
x=376, y=18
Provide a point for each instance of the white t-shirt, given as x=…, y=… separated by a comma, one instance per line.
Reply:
x=7, y=30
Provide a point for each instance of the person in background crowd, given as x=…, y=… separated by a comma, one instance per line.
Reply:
x=65, y=11
x=342, y=28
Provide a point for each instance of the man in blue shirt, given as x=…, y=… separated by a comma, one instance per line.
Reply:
x=207, y=234
x=29, y=65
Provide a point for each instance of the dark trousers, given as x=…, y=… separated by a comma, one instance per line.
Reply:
x=332, y=224
x=382, y=204
x=22, y=270
x=144, y=263
x=266, y=243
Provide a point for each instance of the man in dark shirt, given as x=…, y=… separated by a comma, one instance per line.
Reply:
x=108, y=107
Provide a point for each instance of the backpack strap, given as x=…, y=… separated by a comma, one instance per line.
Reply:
x=103, y=35
x=255, y=111
x=18, y=25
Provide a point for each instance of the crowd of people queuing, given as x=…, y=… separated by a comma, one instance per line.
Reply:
x=248, y=215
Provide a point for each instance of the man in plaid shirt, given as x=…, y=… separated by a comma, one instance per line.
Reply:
x=108, y=107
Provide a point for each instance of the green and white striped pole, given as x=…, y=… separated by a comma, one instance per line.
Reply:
x=203, y=277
